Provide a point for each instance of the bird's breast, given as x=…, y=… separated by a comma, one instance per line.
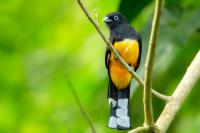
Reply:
x=129, y=51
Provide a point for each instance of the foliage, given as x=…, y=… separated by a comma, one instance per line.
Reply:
x=42, y=40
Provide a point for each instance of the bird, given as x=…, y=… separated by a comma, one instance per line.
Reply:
x=128, y=42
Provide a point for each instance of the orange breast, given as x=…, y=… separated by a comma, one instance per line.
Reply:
x=129, y=51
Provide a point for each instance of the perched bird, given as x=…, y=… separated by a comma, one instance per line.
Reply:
x=128, y=43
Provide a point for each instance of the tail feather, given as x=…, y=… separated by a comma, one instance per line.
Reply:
x=119, y=104
x=112, y=98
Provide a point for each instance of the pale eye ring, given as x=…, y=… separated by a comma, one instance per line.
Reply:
x=116, y=18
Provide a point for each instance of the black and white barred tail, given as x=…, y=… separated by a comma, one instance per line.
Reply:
x=119, y=107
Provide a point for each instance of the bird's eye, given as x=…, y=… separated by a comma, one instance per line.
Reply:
x=116, y=18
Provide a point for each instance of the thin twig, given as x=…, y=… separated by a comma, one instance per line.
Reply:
x=191, y=76
x=82, y=110
x=161, y=96
x=139, y=129
x=148, y=111
x=110, y=46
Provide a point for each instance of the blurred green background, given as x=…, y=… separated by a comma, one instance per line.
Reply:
x=42, y=40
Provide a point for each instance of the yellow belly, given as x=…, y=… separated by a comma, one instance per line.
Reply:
x=129, y=51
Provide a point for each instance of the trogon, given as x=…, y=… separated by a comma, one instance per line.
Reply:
x=127, y=41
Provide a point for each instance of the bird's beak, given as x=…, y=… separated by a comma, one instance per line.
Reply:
x=107, y=20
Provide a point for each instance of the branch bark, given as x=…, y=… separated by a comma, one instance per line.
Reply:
x=182, y=91
x=148, y=111
x=110, y=46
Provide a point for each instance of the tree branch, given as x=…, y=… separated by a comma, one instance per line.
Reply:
x=182, y=91
x=139, y=129
x=82, y=110
x=148, y=111
x=111, y=48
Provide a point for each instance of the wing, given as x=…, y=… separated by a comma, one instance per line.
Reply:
x=108, y=53
x=140, y=50
x=107, y=56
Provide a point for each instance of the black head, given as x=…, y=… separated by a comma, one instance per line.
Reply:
x=114, y=19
